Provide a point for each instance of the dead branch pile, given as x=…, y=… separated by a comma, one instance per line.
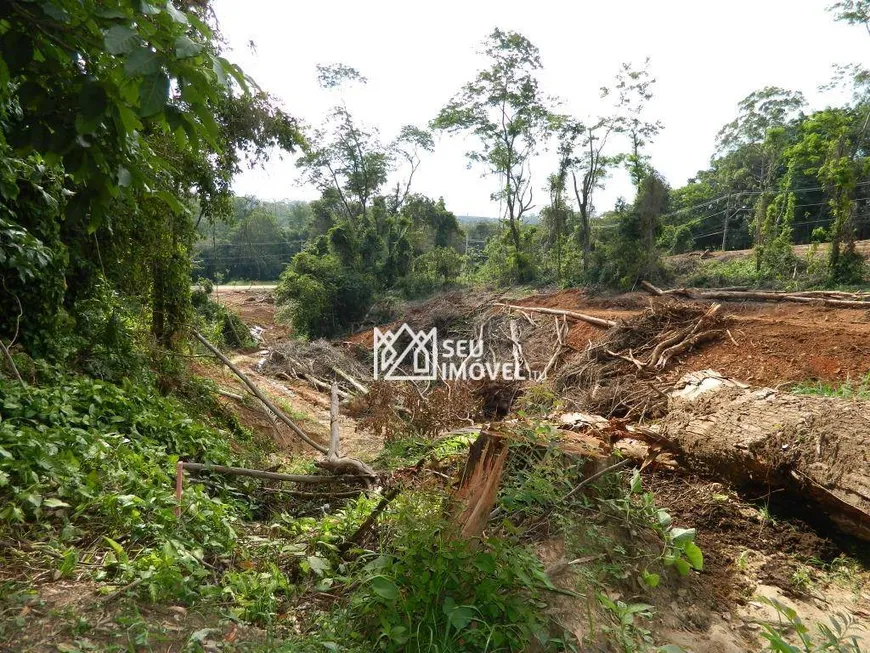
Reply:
x=832, y=298
x=615, y=375
x=401, y=409
x=319, y=363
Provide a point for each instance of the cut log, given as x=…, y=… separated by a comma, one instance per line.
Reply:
x=597, y=321
x=761, y=296
x=815, y=447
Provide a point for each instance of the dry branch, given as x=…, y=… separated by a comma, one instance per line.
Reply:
x=824, y=298
x=597, y=321
x=272, y=476
x=257, y=393
x=334, y=461
x=347, y=377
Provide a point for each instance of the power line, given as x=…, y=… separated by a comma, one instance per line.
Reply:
x=747, y=192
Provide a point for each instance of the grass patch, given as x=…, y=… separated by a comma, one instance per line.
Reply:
x=847, y=390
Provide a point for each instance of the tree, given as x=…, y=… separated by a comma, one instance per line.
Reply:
x=634, y=91
x=760, y=129
x=854, y=12
x=504, y=108
x=583, y=150
x=133, y=108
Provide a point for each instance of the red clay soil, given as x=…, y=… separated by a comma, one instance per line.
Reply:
x=783, y=343
x=777, y=343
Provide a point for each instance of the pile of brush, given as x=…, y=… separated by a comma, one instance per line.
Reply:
x=319, y=363
x=616, y=376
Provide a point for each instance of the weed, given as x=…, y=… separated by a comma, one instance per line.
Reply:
x=846, y=390
x=835, y=637
x=801, y=580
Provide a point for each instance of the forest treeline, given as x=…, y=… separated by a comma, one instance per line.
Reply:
x=779, y=175
x=123, y=125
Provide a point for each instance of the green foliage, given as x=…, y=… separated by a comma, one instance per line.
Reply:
x=781, y=635
x=324, y=297
x=256, y=242
x=221, y=324
x=628, y=253
x=679, y=548
x=626, y=633
x=54, y=60
x=427, y=590
x=107, y=453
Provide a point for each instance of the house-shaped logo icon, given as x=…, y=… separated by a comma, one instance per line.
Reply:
x=417, y=360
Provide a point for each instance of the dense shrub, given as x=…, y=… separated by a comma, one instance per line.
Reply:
x=220, y=323
x=324, y=296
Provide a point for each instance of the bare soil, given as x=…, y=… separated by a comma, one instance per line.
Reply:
x=754, y=545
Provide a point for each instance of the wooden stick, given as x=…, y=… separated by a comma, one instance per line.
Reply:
x=272, y=476
x=230, y=395
x=597, y=321
x=12, y=364
x=651, y=288
x=277, y=411
x=333, y=424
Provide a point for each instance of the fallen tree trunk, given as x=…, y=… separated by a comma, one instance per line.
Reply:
x=597, y=321
x=259, y=395
x=759, y=296
x=816, y=447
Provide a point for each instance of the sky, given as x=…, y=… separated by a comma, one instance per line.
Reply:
x=706, y=56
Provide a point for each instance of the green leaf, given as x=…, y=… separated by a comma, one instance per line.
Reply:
x=177, y=16
x=120, y=39
x=683, y=567
x=185, y=48
x=141, y=61
x=664, y=518
x=636, y=484
x=461, y=616
x=55, y=503
x=148, y=9
x=53, y=11
x=92, y=101
x=694, y=555
x=680, y=536
x=153, y=93
x=385, y=588
x=170, y=200
x=318, y=565
x=117, y=548
x=124, y=177
x=652, y=580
